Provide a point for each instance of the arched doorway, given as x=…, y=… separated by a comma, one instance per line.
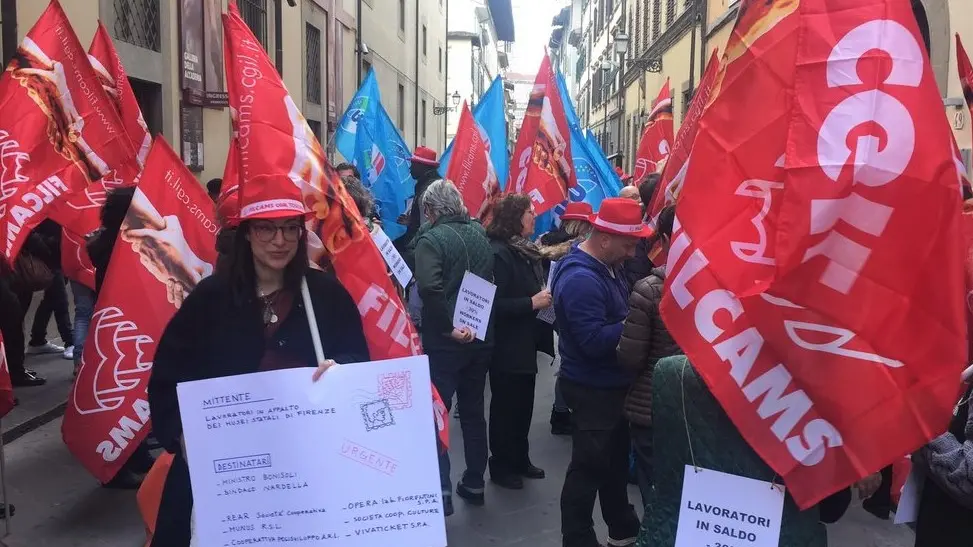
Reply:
x=933, y=18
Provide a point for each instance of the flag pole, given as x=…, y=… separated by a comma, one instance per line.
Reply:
x=7, y=512
x=312, y=323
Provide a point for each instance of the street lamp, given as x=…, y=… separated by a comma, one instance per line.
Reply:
x=621, y=43
x=456, y=99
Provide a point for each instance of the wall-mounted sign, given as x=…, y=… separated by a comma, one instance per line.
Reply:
x=192, y=137
x=959, y=120
x=201, y=53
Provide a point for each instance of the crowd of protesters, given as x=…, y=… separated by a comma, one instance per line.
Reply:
x=624, y=391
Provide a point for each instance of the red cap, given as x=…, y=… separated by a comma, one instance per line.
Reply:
x=620, y=216
x=577, y=210
x=425, y=156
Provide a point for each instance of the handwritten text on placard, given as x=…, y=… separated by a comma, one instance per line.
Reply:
x=392, y=257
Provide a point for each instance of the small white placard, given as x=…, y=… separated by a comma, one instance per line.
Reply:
x=908, y=509
x=547, y=314
x=392, y=257
x=474, y=304
x=729, y=510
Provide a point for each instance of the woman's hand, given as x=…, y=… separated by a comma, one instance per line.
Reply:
x=541, y=300
x=463, y=335
x=322, y=368
x=868, y=486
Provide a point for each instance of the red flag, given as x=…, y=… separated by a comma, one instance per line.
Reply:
x=111, y=74
x=675, y=168
x=830, y=329
x=64, y=137
x=965, y=72
x=656, y=141
x=473, y=174
x=275, y=143
x=542, y=164
x=228, y=204
x=6, y=387
x=108, y=66
x=166, y=246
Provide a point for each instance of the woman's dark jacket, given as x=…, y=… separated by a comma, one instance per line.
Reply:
x=211, y=337
x=645, y=340
x=515, y=349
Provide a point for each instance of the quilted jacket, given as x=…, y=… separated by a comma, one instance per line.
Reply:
x=716, y=445
x=645, y=340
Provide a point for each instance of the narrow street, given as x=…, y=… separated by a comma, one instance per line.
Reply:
x=60, y=505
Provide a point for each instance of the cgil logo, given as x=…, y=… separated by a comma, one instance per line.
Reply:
x=877, y=162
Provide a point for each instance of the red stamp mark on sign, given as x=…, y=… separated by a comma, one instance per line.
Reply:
x=368, y=457
x=396, y=388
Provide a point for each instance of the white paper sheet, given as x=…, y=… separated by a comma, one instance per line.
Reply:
x=547, y=314
x=722, y=509
x=392, y=257
x=350, y=460
x=474, y=304
x=908, y=509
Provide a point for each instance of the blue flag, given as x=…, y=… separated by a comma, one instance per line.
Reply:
x=367, y=137
x=489, y=114
x=596, y=179
x=364, y=104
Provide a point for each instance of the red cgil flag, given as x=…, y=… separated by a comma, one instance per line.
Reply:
x=6, y=386
x=65, y=136
x=165, y=247
x=111, y=74
x=473, y=172
x=674, y=172
x=965, y=72
x=830, y=330
x=542, y=166
x=656, y=141
x=276, y=146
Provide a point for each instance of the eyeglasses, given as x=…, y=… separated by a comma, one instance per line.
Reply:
x=265, y=232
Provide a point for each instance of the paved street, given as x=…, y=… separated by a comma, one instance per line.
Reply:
x=59, y=505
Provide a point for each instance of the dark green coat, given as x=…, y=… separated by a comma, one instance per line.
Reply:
x=717, y=445
x=444, y=251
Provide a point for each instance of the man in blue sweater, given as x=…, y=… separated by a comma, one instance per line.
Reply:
x=591, y=303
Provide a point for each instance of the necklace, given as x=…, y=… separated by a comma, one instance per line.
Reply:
x=269, y=302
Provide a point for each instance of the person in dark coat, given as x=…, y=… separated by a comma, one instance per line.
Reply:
x=449, y=245
x=645, y=340
x=945, y=516
x=519, y=277
x=249, y=317
x=45, y=243
x=424, y=168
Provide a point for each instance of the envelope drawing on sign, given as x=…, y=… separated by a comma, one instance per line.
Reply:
x=351, y=458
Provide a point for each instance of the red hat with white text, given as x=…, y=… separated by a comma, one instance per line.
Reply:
x=622, y=217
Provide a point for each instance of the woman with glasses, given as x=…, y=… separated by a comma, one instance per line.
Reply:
x=248, y=317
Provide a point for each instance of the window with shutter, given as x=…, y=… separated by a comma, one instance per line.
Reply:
x=636, y=29
x=656, y=18
x=670, y=12
x=645, y=24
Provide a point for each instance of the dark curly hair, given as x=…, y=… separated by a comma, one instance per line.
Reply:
x=508, y=217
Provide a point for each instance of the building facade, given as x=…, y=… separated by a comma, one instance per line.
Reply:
x=172, y=52
x=616, y=84
x=476, y=56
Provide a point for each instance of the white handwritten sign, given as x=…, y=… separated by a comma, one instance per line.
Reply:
x=908, y=509
x=474, y=304
x=350, y=459
x=725, y=510
x=392, y=257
